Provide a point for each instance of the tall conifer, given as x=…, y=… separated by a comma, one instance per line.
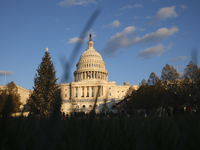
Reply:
x=45, y=87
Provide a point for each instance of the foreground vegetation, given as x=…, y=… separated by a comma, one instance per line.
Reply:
x=102, y=132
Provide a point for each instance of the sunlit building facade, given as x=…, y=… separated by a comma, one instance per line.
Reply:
x=91, y=82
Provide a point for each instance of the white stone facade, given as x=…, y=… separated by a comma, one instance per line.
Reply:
x=90, y=77
x=24, y=94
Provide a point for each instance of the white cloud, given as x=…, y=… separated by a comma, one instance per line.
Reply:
x=178, y=58
x=166, y=12
x=160, y=34
x=138, y=5
x=126, y=7
x=142, y=29
x=67, y=29
x=136, y=17
x=119, y=14
x=183, y=7
x=163, y=14
x=76, y=39
x=5, y=72
x=129, y=6
x=114, y=24
x=148, y=17
x=68, y=3
x=122, y=40
x=152, y=51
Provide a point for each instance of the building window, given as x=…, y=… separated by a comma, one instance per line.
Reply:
x=77, y=107
x=95, y=75
x=83, y=106
x=76, y=92
x=65, y=95
x=92, y=75
x=90, y=106
x=82, y=92
x=109, y=87
x=83, y=75
x=110, y=94
x=88, y=92
x=92, y=92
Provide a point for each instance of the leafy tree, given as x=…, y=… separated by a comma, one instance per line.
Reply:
x=9, y=99
x=191, y=83
x=153, y=79
x=143, y=82
x=169, y=73
x=191, y=71
x=45, y=87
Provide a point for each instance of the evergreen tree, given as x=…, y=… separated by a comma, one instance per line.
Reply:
x=45, y=87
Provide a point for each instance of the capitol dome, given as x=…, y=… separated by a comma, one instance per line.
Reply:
x=91, y=65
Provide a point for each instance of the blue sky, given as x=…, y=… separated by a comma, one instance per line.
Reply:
x=134, y=37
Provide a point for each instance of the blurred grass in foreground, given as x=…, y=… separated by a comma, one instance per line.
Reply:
x=102, y=132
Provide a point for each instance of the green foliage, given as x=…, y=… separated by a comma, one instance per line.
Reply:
x=9, y=99
x=45, y=88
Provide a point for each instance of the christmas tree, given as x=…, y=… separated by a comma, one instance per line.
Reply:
x=45, y=88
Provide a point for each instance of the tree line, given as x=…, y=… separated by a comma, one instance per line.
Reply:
x=168, y=90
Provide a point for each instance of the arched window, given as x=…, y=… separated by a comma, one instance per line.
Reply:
x=87, y=65
x=83, y=106
x=92, y=65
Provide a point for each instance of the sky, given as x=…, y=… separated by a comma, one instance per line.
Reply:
x=134, y=37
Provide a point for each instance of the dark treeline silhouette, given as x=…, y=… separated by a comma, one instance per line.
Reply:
x=170, y=90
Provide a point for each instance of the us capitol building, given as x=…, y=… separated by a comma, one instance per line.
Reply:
x=91, y=82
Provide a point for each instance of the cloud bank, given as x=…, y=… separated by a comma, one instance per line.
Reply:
x=123, y=40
